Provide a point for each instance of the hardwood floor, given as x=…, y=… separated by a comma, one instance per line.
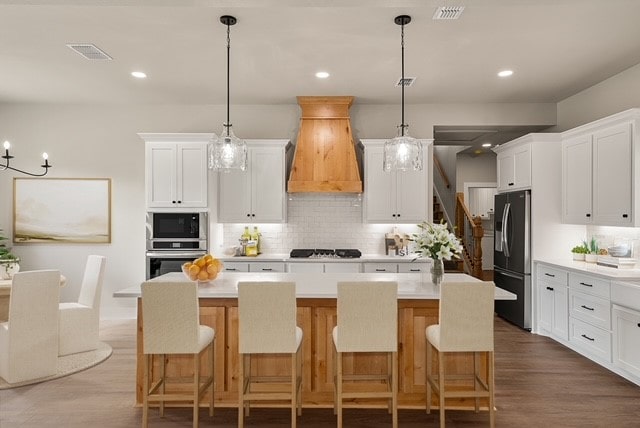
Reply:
x=539, y=383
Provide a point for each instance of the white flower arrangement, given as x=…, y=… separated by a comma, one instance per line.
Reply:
x=436, y=241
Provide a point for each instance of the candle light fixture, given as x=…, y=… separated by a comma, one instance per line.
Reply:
x=7, y=157
x=403, y=152
x=227, y=152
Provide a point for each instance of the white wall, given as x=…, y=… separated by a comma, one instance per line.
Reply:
x=102, y=141
x=618, y=93
x=477, y=169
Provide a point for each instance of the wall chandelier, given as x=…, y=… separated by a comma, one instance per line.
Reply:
x=7, y=157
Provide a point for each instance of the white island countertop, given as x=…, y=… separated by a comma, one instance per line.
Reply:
x=316, y=286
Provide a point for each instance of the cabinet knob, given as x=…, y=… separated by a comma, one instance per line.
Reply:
x=639, y=324
x=393, y=215
x=253, y=215
x=173, y=202
x=625, y=215
x=588, y=215
x=179, y=202
x=398, y=215
x=248, y=215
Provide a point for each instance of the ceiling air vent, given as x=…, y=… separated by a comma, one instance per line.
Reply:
x=89, y=51
x=448, y=12
x=406, y=82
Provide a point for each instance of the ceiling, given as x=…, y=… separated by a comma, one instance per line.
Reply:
x=555, y=47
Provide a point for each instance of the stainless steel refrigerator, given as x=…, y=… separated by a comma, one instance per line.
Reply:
x=512, y=255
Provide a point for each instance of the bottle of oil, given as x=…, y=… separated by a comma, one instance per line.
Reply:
x=257, y=236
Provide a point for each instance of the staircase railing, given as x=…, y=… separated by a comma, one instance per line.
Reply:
x=469, y=230
x=443, y=190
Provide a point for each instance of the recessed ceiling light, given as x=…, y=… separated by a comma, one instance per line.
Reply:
x=139, y=74
x=486, y=145
x=505, y=73
x=322, y=74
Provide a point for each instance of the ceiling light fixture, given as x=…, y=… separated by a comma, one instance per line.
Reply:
x=505, y=73
x=322, y=74
x=227, y=152
x=7, y=157
x=403, y=152
x=139, y=74
x=486, y=145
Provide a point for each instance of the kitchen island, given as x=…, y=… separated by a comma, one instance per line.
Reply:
x=316, y=301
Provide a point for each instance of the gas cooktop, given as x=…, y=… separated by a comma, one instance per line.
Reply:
x=324, y=253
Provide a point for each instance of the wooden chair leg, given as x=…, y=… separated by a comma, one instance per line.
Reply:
x=163, y=371
x=294, y=389
x=247, y=375
x=241, y=392
x=390, y=381
x=441, y=386
x=335, y=380
x=394, y=389
x=148, y=362
x=429, y=369
x=339, y=387
x=213, y=377
x=299, y=379
x=491, y=384
x=476, y=382
x=196, y=388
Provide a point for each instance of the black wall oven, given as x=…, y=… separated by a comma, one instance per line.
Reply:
x=174, y=238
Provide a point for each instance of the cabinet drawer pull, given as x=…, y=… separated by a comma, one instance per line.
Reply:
x=550, y=288
x=625, y=215
x=230, y=269
x=587, y=337
x=267, y=269
x=415, y=270
x=549, y=274
x=588, y=215
x=381, y=270
x=510, y=184
x=586, y=285
x=587, y=308
x=639, y=324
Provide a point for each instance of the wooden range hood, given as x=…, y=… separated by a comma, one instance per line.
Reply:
x=325, y=156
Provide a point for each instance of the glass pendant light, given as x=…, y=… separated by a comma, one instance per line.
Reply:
x=402, y=153
x=227, y=152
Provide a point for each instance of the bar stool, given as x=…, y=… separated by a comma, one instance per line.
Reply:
x=170, y=325
x=465, y=325
x=267, y=325
x=367, y=322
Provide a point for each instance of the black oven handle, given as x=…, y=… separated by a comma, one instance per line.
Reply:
x=180, y=254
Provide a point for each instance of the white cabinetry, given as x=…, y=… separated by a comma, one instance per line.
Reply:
x=176, y=170
x=257, y=194
x=514, y=167
x=397, y=196
x=380, y=268
x=553, y=292
x=626, y=342
x=318, y=267
x=598, y=162
x=247, y=266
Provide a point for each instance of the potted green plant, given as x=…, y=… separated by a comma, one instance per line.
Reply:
x=9, y=262
x=592, y=251
x=579, y=252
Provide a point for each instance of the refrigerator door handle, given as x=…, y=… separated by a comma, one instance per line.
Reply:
x=505, y=235
x=510, y=275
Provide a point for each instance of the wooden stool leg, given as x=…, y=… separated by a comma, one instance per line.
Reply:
x=148, y=362
x=213, y=377
x=441, y=386
x=299, y=379
x=241, y=392
x=339, y=387
x=491, y=384
x=247, y=375
x=476, y=382
x=163, y=368
x=294, y=389
x=428, y=375
x=390, y=381
x=335, y=380
x=196, y=388
x=394, y=389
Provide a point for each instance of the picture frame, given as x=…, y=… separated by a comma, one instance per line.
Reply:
x=61, y=210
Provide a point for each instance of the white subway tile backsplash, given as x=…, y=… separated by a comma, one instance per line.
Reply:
x=314, y=221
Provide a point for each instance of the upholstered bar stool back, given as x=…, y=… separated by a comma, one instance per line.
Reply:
x=267, y=325
x=170, y=325
x=367, y=322
x=465, y=325
x=80, y=321
x=29, y=339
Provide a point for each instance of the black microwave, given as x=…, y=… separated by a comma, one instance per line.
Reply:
x=177, y=230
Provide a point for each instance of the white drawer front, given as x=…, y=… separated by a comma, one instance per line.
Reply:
x=305, y=268
x=626, y=339
x=590, y=285
x=236, y=267
x=381, y=267
x=626, y=294
x=266, y=267
x=591, y=309
x=413, y=267
x=549, y=274
x=593, y=340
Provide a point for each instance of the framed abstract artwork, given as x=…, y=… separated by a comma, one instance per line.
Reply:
x=62, y=210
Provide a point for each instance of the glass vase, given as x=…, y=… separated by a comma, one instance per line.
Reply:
x=437, y=271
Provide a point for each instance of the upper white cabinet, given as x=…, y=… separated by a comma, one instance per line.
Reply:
x=397, y=196
x=176, y=170
x=257, y=194
x=514, y=167
x=598, y=164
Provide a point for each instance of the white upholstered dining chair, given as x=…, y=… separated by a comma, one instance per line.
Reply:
x=465, y=325
x=29, y=339
x=80, y=321
x=267, y=325
x=171, y=325
x=367, y=322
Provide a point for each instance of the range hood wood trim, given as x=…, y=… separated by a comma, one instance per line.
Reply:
x=325, y=157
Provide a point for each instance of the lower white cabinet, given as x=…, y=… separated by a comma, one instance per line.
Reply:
x=246, y=266
x=381, y=267
x=553, y=292
x=593, y=341
x=626, y=339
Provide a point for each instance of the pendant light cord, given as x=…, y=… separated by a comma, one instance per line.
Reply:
x=228, y=123
x=402, y=125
